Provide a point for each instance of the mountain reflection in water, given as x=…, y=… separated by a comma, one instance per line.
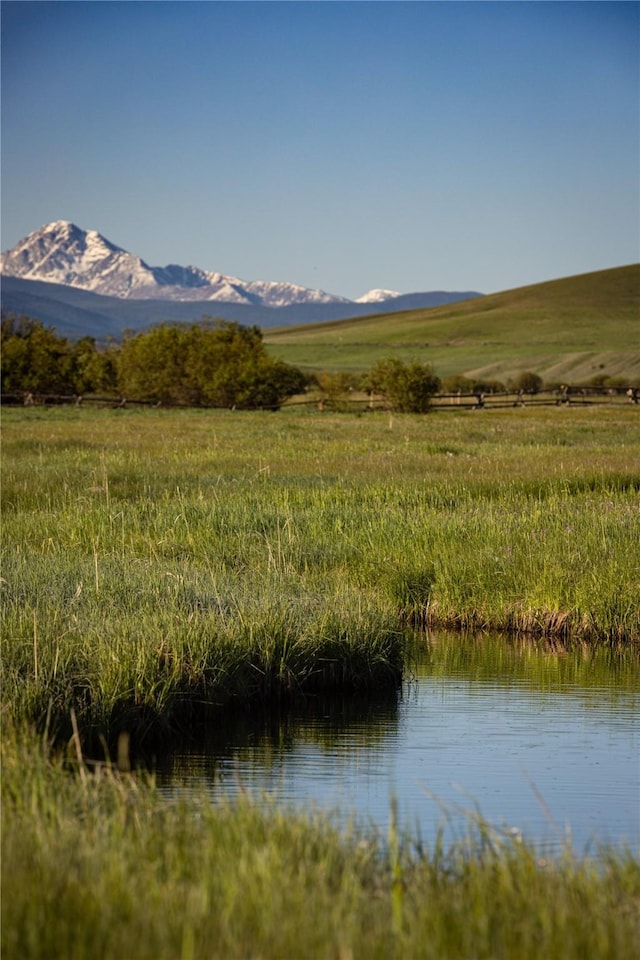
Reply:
x=539, y=738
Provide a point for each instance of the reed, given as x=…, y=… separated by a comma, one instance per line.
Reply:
x=152, y=658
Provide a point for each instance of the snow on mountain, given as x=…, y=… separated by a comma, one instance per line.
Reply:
x=378, y=296
x=70, y=260
x=63, y=253
x=273, y=294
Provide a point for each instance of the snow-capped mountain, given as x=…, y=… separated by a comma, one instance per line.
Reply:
x=63, y=253
x=378, y=296
x=83, y=285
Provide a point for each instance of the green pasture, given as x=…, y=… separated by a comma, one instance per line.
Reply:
x=154, y=560
x=571, y=329
x=158, y=564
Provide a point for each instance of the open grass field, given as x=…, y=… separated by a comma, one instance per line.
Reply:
x=565, y=330
x=156, y=559
x=153, y=560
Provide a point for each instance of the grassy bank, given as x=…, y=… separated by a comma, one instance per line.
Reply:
x=157, y=559
x=97, y=865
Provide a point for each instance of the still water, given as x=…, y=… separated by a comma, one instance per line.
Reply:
x=538, y=740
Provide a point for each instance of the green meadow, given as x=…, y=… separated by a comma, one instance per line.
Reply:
x=162, y=565
x=155, y=559
x=568, y=330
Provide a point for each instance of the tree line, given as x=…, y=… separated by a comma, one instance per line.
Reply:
x=211, y=363
x=215, y=363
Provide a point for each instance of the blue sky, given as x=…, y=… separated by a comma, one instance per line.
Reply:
x=411, y=146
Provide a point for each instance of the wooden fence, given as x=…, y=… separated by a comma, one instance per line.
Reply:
x=564, y=396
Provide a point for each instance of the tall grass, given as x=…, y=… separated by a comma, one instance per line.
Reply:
x=157, y=564
x=156, y=560
x=96, y=865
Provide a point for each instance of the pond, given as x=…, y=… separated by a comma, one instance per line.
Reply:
x=537, y=739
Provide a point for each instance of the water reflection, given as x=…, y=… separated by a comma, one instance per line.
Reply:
x=546, y=740
x=260, y=741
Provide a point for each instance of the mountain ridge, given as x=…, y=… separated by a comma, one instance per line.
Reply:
x=62, y=253
x=78, y=313
x=55, y=273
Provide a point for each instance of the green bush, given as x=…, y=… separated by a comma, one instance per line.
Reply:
x=215, y=362
x=528, y=382
x=408, y=387
x=457, y=382
x=35, y=359
x=336, y=387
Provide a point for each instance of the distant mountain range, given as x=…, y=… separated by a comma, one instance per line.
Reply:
x=82, y=284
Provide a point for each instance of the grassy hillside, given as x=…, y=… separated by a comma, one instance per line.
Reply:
x=573, y=328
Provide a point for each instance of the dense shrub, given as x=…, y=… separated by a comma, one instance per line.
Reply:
x=488, y=386
x=215, y=362
x=35, y=359
x=603, y=380
x=335, y=388
x=94, y=368
x=408, y=387
x=152, y=366
x=458, y=383
x=528, y=382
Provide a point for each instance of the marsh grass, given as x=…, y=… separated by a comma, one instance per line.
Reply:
x=159, y=563
x=98, y=865
x=157, y=560
x=150, y=657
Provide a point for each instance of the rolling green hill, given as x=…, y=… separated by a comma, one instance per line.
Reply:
x=570, y=329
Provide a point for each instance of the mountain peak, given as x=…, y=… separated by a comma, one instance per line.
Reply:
x=378, y=296
x=62, y=252
x=58, y=226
